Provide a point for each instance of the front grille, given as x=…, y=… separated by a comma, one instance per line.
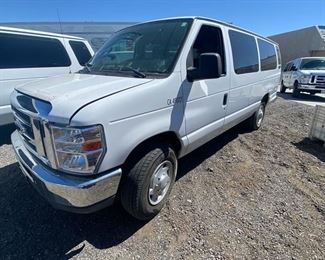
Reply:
x=320, y=79
x=33, y=127
x=23, y=124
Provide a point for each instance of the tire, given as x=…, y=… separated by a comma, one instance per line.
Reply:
x=150, y=176
x=296, y=91
x=283, y=88
x=256, y=120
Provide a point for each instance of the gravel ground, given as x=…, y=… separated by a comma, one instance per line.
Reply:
x=243, y=195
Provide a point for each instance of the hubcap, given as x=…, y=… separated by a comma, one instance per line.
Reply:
x=260, y=115
x=160, y=182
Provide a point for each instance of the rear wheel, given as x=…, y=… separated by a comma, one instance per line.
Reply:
x=148, y=184
x=256, y=120
x=282, y=88
x=296, y=91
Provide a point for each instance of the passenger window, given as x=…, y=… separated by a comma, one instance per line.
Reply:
x=81, y=51
x=267, y=55
x=209, y=40
x=21, y=51
x=244, y=52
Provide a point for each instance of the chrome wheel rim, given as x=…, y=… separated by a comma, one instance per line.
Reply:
x=260, y=115
x=160, y=182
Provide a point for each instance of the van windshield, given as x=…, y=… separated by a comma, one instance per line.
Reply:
x=141, y=50
x=312, y=64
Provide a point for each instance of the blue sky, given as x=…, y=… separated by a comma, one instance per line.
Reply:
x=266, y=17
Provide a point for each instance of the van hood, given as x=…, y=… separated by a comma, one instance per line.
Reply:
x=70, y=92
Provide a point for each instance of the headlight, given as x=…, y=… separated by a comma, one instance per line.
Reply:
x=78, y=149
x=304, y=79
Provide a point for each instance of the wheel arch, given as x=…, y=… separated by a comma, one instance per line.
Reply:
x=266, y=98
x=169, y=137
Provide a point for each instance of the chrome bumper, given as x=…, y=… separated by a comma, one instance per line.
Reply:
x=317, y=87
x=71, y=193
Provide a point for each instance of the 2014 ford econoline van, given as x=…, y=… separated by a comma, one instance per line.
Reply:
x=27, y=55
x=152, y=94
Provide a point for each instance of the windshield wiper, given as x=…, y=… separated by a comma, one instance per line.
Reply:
x=137, y=72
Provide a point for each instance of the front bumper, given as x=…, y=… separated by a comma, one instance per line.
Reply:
x=311, y=87
x=67, y=192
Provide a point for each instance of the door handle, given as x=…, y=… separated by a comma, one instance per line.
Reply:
x=225, y=99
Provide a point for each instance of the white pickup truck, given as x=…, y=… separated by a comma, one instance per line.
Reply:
x=152, y=94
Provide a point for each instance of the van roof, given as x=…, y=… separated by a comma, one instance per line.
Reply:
x=313, y=58
x=40, y=33
x=303, y=58
x=235, y=27
x=214, y=21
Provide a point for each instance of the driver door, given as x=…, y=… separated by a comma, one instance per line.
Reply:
x=206, y=101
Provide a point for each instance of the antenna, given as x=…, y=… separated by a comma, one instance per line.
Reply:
x=58, y=14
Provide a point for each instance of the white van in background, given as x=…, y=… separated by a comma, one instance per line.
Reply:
x=305, y=74
x=27, y=55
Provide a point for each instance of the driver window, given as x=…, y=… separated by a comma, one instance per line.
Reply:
x=209, y=40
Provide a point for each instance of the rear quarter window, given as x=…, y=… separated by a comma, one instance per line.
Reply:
x=268, y=57
x=24, y=51
x=81, y=51
x=244, y=52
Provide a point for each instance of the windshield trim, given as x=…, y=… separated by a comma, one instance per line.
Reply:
x=149, y=74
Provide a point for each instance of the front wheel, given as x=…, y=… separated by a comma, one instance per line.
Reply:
x=256, y=120
x=296, y=91
x=148, y=184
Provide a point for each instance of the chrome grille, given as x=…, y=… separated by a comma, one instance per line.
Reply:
x=33, y=127
x=320, y=79
x=24, y=126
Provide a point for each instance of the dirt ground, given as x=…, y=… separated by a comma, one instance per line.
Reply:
x=244, y=195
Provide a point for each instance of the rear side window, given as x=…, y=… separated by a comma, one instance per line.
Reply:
x=21, y=51
x=267, y=55
x=81, y=51
x=244, y=52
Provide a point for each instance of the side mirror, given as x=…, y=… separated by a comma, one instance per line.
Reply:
x=210, y=67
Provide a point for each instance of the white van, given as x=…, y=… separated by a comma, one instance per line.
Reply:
x=152, y=94
x=305, y=74
x=27, y=55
